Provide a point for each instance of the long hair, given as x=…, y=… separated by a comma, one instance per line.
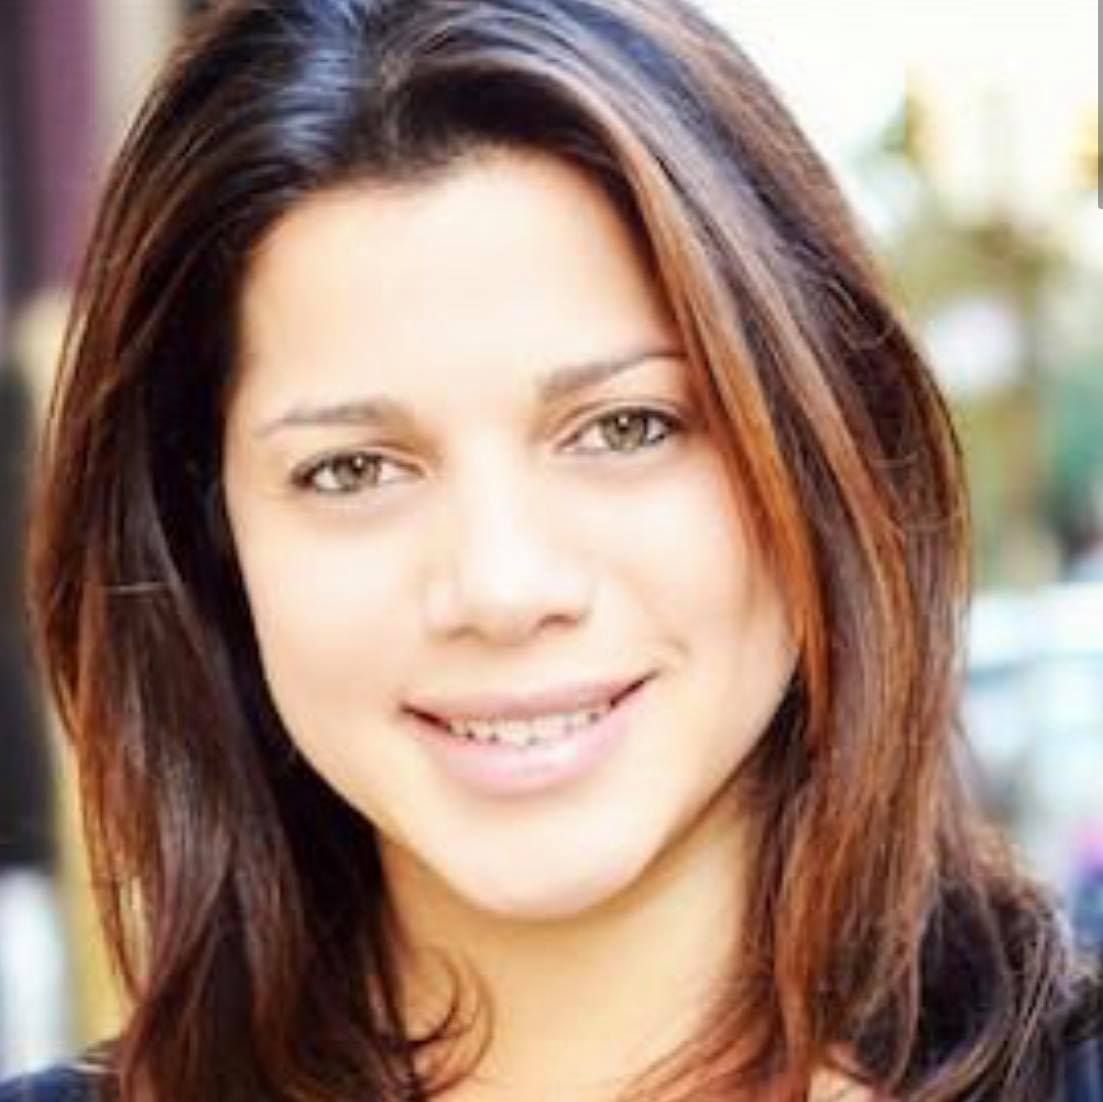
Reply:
x=242, y=899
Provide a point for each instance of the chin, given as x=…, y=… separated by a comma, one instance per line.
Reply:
x=545, y=902
x=547, y=891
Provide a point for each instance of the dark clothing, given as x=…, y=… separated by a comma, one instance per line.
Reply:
x=55, y=1085
x=1083, y=1081
x=1083, y=1073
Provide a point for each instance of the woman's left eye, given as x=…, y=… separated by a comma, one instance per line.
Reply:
x=625, y=431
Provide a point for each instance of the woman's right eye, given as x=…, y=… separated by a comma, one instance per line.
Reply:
x=348, y=473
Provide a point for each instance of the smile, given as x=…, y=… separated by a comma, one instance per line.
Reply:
x=514, y=746
x=526, y=732
x=525, y=719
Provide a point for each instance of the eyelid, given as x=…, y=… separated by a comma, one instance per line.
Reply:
x=303, y=475
x=676, y=423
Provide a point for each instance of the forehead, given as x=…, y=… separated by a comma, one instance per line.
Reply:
x=510, y=259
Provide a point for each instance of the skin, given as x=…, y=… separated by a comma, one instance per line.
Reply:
x=492, y=540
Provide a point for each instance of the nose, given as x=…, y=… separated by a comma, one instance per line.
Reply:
x=508, y=566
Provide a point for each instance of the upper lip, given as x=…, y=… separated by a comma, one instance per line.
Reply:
x=519, y=706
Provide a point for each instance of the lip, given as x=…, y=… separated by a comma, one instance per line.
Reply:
x=499, y=770
x=566, y=698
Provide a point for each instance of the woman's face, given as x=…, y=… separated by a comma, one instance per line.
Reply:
x=505, y=600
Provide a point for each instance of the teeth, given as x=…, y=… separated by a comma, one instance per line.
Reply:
x=481, y=730
x=523, y=732
x=515, y=732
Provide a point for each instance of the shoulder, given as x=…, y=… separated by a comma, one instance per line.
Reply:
x=1082, y=1080
x=67, y=1083
x=1082, y=1072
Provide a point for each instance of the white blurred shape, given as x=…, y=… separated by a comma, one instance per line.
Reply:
x=975, y=345
x=34, y=1027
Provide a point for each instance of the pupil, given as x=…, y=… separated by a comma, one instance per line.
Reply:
x=353, y=470
x=626, y=430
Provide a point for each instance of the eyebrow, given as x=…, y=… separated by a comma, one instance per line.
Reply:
x=553, y=387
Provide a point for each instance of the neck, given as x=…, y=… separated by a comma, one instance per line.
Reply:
x=617, y=987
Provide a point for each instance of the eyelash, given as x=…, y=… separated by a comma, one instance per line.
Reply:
x=309, y=477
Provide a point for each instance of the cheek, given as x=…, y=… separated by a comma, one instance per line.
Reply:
x=713, y=601
x=684, y=551
x=331, y=620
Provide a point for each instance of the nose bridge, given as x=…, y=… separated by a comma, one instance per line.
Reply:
x=506, y=565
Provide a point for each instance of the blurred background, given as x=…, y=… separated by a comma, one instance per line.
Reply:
x=966, y=133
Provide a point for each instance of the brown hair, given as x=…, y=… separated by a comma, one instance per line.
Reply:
x=241, y=897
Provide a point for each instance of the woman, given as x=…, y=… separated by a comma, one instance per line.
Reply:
x=500, y=565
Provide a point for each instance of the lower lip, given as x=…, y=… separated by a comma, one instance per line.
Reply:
x=495, y=769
